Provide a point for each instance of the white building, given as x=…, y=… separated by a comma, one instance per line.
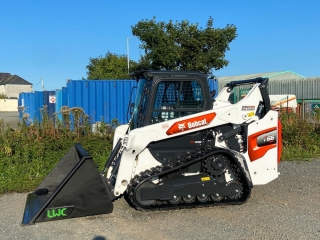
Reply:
x=12, y=85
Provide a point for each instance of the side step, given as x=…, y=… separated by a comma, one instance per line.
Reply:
x=74, y=188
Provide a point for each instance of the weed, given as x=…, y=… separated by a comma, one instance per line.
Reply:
x=300, y=136
x=29, y=153
x=3, y=96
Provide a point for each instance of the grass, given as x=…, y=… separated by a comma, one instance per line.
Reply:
x=28, y=154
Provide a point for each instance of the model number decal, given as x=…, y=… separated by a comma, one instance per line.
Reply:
x=267, y=138
x=248, y=108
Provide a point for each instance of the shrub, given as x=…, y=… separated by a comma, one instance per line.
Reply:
x=300, y=137
x=3, y=96
x=28, y=154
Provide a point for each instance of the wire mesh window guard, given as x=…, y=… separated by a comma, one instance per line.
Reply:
x=176, y=99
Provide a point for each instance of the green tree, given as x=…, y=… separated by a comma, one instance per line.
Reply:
x=184, y=46
x=143, y=64
x=112, y=66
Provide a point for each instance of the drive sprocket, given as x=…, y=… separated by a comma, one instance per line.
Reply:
x=215, y=164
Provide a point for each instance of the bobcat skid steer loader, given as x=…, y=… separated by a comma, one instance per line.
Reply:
x=180, y=149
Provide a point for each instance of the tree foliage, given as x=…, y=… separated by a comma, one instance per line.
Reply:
x=169, y=46
x=112, y=66
x=184, y=46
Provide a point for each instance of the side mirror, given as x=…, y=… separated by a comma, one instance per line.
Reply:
x=212, y=93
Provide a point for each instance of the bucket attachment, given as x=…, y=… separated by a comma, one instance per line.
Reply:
x=74, y=188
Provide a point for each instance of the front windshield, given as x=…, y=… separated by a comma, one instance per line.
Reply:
x=137, y=104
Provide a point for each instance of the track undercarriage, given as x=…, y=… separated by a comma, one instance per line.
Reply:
x=221, y=181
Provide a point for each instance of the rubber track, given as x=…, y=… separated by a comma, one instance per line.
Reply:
x=180, y=163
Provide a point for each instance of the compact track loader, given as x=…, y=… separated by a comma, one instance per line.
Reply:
x=180, y=149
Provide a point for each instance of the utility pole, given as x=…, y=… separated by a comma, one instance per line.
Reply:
x=42, y=84
x=128, y=58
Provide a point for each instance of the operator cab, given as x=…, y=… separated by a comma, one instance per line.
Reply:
x=166, y=95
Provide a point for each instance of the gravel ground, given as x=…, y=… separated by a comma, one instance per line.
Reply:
x=287, y=208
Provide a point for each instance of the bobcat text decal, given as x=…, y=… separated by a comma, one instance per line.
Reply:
x=191, y=123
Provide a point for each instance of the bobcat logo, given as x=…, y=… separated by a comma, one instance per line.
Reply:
x=181, y=126
x=191, y=123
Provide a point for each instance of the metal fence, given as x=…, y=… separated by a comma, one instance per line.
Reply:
x=303, y=88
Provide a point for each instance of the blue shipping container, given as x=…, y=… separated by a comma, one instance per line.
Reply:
x=61, y=100
x=38, y=105
x=102, y=100
x=33, y=104
x=27, y=103
x=213, y=85
x=50, y=102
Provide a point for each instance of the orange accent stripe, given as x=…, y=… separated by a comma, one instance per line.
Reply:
x=256, y=152
x=279, y=140
x=284, y=101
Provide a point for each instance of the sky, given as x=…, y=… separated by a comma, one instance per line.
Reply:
x=53, y=40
